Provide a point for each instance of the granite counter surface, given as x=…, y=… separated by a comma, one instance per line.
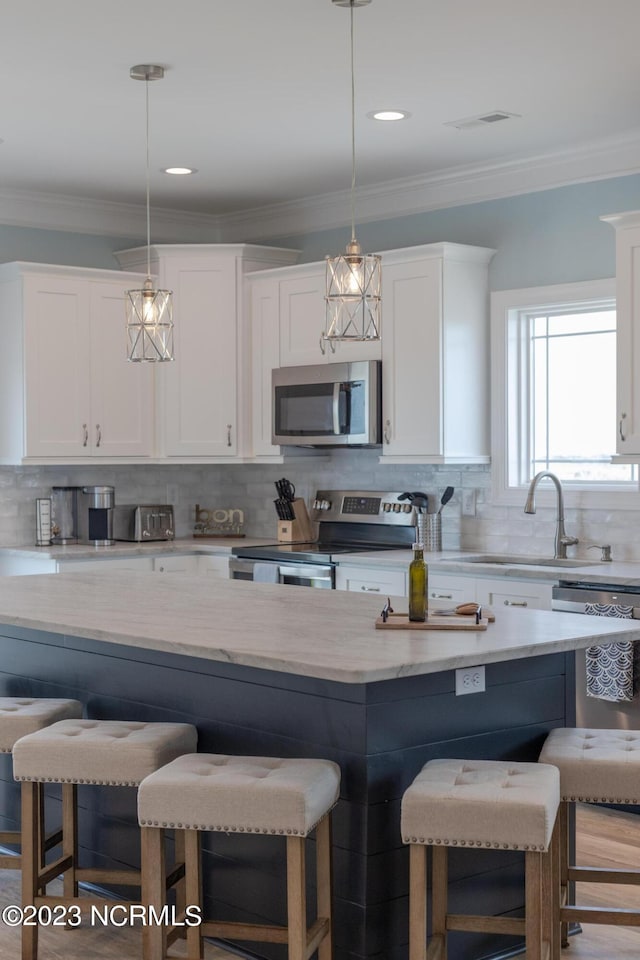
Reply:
x=314, y=633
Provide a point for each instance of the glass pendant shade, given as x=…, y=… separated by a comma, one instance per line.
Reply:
x=149, y=324
x=354, y=295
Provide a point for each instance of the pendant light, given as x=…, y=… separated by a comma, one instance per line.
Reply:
x=149, y=311
x=354, y=280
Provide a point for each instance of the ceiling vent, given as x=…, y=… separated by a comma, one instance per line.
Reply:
x=482, y=120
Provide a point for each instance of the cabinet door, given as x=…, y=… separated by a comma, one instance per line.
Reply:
x=628, y=337
x=265, y=357
x=121, y=392
x=505, y=592
x=57, y=356
x=302, y=319
x=141, y=564
x=411, y=359
x=199, y=387
x=372, y=580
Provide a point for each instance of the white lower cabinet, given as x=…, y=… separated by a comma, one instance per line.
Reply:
x=450, y=590
x=211, y=566
x=372, y=580
x=13, y=566
x=505, y=592
x=176, y=564
x=105, y=565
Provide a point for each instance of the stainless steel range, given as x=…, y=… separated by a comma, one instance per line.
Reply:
x=349, y=521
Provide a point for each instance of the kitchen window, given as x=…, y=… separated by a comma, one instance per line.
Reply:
x=554, y=391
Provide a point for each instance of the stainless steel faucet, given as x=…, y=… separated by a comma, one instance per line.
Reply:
x=562, y=541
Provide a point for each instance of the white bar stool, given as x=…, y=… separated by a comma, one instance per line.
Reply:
x=20, y=716
x=596, y=766
x=115, y=753
x=490, y=804
x=262, y=795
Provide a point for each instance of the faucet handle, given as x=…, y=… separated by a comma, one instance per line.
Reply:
x=606, y=551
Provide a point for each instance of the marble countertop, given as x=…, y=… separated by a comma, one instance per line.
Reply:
x=85, y=551
x=331, y=635
x=453, y=561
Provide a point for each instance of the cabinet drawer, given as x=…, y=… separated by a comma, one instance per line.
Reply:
x=370, y=580
x=514, y=593
x=172, y=564
x=105, y=566
x=451, y=589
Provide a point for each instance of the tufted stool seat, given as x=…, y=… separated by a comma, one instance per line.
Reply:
x=482, y=804
x=18, y=717
x=71, y=752
x=260, y=795
x=596, y=766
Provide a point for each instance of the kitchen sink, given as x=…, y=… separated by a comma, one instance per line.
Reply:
x=518, y=560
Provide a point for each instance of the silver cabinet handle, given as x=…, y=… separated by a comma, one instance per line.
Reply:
x=441, y=596
x=387, y=431
x=98, y=435
x=228, y=434
x=623, y=437
x=515, y=603
x=371, y=589
x=322, y=349
x=85, y=435
x=335, y=408
x=332, y=346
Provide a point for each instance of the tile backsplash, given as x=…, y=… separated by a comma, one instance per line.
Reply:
x=495, y=528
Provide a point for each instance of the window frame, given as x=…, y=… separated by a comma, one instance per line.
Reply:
x=505, y=305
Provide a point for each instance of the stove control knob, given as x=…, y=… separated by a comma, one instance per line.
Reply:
x=386, y=506
x=397, y=507
x=146, y=533
x=316, y=504
x=406, y=508
x=169, y=534
x=325, y=505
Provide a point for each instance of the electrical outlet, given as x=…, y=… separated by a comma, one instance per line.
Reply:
x=468, y=503
x=470, y=680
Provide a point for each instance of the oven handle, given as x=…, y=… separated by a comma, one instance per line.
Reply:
x=303, y=571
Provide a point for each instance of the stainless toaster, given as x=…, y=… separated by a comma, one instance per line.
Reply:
x=141, y=522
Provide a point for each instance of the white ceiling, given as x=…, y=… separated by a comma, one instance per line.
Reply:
x=256, y=94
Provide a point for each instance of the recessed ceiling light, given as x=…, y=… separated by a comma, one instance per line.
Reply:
x=180, y=171
x=389, y=115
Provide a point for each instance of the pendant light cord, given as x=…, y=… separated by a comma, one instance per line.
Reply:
x=146, y=89
x=353, y=135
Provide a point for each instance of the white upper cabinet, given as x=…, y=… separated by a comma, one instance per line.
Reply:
x=204, y=396
x=435, y=354
x=67, y=389
x=627, y=226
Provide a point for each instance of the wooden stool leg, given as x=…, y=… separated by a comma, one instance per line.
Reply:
x=180, y=887
x=439, y=895
x=30, y=864
x=154, y=935
x=70, y=837
x=551, y=895
x=564, y=868
x=296, y=899
x=533, y=904
x=417, y=901
x=323, y=882
x=193, y=889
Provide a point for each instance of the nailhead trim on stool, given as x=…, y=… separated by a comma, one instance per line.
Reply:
x=220, y=793
x=71, y=752
x=483, y=804
x=596, y=766
x=20, y=716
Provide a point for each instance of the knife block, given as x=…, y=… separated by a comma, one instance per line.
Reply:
x=298, y=530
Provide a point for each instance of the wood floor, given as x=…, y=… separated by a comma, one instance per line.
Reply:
x=604, y=838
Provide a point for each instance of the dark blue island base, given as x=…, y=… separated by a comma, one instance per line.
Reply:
x=379, y=733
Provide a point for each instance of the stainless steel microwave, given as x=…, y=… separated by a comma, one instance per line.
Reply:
x=331, y=404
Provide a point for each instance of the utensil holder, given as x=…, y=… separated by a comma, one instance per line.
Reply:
x=298, y=530
x=430, y=528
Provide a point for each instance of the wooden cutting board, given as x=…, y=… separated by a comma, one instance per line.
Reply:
x=400, y=621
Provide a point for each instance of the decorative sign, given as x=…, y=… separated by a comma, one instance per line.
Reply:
x=218, y=522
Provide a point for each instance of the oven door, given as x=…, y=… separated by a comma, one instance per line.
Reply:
x=319, y=576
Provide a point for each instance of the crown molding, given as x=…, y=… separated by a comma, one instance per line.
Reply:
x=450, y=188
x=396, y=198
x=43, y=211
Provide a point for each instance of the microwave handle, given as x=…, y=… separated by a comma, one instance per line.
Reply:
x=336, y=408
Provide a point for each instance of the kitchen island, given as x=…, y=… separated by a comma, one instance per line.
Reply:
x=272, y=670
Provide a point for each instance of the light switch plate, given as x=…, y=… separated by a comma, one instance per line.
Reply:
x=468, y=503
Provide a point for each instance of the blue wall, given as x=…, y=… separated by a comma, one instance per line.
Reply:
x=554, y=236
x=59, y=246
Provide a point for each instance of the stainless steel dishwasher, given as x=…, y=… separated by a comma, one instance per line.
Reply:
x=572, y=596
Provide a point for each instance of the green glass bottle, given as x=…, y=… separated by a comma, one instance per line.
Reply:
x=418, y=586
